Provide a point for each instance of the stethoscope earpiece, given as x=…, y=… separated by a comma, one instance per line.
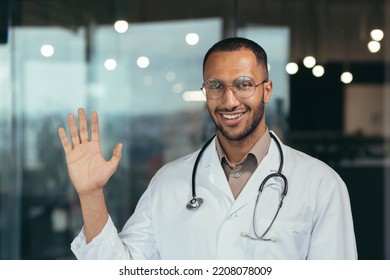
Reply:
x=194, y=203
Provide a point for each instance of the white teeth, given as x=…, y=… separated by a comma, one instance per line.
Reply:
x=230, y=117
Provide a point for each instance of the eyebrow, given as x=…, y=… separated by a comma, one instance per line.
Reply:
x=219, y=80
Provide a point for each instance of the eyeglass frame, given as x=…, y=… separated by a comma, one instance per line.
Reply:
x=234, y=90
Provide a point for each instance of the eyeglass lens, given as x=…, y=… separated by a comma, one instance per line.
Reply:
x=242, y=86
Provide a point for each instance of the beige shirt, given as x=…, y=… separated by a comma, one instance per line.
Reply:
x=239, y=174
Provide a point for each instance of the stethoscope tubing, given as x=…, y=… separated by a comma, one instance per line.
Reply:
x=196, y=202
x=277, y=174
x=195, y=168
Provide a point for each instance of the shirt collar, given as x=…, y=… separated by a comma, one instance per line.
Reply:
x=259, y=150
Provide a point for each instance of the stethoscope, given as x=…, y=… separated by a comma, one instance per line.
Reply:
x=196, y=202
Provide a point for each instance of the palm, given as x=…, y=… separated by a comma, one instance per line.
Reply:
x=87, y=167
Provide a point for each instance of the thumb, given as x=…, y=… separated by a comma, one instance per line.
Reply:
x=116, y=155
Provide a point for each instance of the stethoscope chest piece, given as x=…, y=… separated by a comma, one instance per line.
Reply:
x=194, y=203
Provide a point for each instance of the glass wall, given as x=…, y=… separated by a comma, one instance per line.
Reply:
x=10, y=186
x=146, y=106
x=144, y=81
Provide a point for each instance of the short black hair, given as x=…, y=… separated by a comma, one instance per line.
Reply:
x=236, y=44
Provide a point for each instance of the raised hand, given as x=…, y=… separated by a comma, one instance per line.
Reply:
x=88, y=169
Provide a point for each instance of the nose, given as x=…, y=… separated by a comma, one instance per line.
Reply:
x=229, y=97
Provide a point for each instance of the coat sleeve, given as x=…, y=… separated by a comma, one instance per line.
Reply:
x=107, y=245
x=332, y=235
x=135, y=241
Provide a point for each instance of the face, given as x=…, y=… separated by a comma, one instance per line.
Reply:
x=237, y=118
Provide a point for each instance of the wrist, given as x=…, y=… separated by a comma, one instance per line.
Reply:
x=93, y=196
x=94, y=212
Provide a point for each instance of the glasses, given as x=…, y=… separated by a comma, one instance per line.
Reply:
x=243, y=87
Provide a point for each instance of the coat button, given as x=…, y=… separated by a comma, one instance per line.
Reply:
x=236, y=175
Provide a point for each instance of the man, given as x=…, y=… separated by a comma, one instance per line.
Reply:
x=302, y=211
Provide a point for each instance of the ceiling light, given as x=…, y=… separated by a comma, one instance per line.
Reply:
x=110, y=64
x=346, y=77
x=143, y=62
x=374, y=46
x=309, y=61
x=47, y=50
x=121, y=26
x=292, y=68
x=192, y=39
x=376, y=34
x=318, y=71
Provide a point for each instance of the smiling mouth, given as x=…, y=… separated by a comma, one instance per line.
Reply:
x=232, y=117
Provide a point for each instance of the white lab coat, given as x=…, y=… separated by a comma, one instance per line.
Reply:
x=315, y=221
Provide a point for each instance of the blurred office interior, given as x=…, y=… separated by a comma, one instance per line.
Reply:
x=138, y=63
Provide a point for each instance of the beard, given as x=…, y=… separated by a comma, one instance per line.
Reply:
x=248, y=130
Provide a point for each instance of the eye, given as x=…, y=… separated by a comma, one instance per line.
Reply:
x=243, y=84
x=214, y=85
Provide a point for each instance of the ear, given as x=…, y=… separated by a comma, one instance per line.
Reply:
x=267, y=91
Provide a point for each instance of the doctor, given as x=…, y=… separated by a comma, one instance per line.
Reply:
x=250, y=197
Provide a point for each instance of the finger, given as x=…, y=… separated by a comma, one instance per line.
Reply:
x=64, y=140
x=116, y=155
x=83, y=126
x=73, y=130
x=94, y=127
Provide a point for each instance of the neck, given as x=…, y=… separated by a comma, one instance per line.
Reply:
x=236, y=150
